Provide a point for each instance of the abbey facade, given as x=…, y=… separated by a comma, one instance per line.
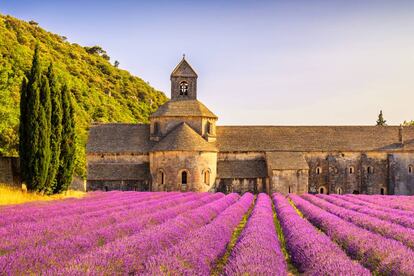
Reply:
x=183, y=149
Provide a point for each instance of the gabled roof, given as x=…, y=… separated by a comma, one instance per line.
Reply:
x=183, y=108
x=119, y=138
x=286, y=161
x=313, y=138
x=241, y=169
x=183, y=69
x=183, y=138
x=118, y=171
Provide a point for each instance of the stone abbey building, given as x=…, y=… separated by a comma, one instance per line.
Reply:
x=182, y=149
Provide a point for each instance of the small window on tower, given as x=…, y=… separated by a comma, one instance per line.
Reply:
x=410, y=169
x=183, y=88
x=318, y=170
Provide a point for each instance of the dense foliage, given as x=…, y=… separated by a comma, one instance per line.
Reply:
x=102, y=92
x=35, y=110
x=47, y=131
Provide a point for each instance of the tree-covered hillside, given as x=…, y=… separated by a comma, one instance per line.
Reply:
x=101, y=92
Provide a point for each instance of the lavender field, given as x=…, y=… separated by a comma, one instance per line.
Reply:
x=140, y=233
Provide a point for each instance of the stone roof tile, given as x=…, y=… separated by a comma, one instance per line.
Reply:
x=241, y=169
x=119, y=138
x=312, y=138
x=118, y=171
x=286, y=161
x=183, y=138
x=183, y=108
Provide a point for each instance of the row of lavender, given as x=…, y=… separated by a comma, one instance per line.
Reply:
x=375, y=230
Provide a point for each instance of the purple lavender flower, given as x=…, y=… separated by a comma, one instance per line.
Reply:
x=312, y=252
x=377, y=253
x=382, y=227
x=197, y=255
x=258, y=251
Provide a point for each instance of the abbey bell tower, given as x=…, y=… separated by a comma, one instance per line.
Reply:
x=183, y=82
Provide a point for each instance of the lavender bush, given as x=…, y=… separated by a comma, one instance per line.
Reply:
x=258, y=250
x=197, y=255
x=381, y=255
x=312, y=252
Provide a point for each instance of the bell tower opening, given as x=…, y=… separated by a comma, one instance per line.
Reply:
x=184, y=82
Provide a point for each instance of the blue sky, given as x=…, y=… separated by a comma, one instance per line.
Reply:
x=287, y=62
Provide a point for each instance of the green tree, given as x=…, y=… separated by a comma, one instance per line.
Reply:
x=23, y=127
x=56, y=127
x=381, y=121
x=44, y=152
x=68, y=145
x=35, y=108
x=30, y=131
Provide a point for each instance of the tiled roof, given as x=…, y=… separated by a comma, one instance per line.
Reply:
x=286, y=161
x=241, y=169
x=183, y=69
x=118, y=171
x=183, y=138
x=183, y=108
x=133, y=138
x=312, y=138
x=119, y=138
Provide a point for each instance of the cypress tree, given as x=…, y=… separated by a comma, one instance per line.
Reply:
x=67, y=154
x=44, y=152
x=30, y=127
x=381, y=121
x=23, y=146
x=56, y=128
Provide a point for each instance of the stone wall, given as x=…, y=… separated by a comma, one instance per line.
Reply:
x=173, y=163
x=242, y=185
x=289, y=181
x=401, y=177
x=348, y=172
x=10, y=171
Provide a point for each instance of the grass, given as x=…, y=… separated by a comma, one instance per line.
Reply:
x=291, y=268
x=221, y=263
x=14, y=195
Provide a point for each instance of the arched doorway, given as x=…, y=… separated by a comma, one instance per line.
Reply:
x=383, y=191
x=339, y=191
x=323, y=190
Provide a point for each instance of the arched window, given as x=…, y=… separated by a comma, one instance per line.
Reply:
x=339, y=191
x=206, y=175
x=184, y=180
x=209, y=128
x=351, y=170
x=161, y=177
x=322, y=190
x=370, y=170
x=183, y=88
x=410, y=169
x=318, y=170
x=382, y=191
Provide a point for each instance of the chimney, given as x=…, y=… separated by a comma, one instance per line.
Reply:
x=401, y=135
